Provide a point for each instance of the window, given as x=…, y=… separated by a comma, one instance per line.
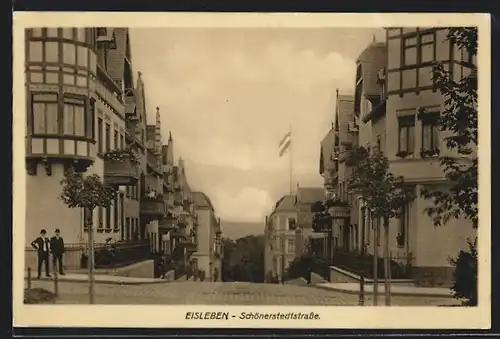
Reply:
x=376, y=224
x=74, y=117
x=406, y=134
x=100, y=216
x=292, y=224
x=427, y=47
x=122, y=141
x=115, y=214
x=115, y=140
x=410, y=50
x=44, y=111
x=100, y=143
x=108, y=217
x=430, y=132
x=90, y=120
x=108, y=137
x=419, y=49
x=35, y=51
x=291, y=246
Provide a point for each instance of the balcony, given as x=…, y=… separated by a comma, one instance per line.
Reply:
x=121, y=168
x=152, y=208
x=191, y=243
x=168, y=224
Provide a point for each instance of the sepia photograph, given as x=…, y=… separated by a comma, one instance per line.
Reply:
x=250, y=166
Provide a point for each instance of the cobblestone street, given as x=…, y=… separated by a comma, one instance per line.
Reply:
x=220, y=293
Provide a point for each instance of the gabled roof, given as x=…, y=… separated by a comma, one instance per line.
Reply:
x=285, y=203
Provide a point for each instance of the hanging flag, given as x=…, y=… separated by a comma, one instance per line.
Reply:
x=285, y=143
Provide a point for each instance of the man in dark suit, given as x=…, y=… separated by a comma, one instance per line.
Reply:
x=57, y=248
x=42, y=245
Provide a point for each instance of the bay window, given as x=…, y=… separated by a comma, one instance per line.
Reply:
x=74, y=117
x=44, y=114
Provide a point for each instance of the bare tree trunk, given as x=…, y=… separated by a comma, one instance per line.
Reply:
x=375, y=262
x=90, y=263
x=387, y=264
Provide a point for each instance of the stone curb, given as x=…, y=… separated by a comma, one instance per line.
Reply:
x=399, y=294
x=107, y=282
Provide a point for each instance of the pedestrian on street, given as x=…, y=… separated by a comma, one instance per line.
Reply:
x=42, y=245
x=309, y=273
x=57, y=249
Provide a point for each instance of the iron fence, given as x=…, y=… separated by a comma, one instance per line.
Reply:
x=363, y=265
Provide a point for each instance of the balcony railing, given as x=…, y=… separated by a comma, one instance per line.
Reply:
x=152, y=208
x=168, y=224
x=122, y=253
x=121, y=172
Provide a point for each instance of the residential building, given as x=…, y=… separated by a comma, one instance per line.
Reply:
x=76, y=113
x=413, y=143
x=209, y=253
x=153, y=206
x=395, y=110
x=289, y=229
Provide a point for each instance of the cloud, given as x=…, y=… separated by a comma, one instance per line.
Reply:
x=249, y=204
x=229, y=96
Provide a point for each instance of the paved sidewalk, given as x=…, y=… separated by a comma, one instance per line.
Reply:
x=353, y=288
x=102, y=279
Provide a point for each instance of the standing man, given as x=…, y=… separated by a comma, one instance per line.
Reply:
x=57, y=248
x=42, y=245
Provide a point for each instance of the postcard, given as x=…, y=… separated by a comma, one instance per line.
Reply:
x=251, y=170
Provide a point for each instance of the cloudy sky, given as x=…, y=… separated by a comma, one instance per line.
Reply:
x=229, y=95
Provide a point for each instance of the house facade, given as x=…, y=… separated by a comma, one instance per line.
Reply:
x=413, y=143
x=395, y=110
x=76, y=114
x=289, y=229
x=83, y=105
x=209, y=254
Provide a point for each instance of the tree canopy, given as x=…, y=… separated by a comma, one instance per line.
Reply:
x=459, y=122
x=244, y=259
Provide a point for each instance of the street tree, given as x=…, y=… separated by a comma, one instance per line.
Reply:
x=87, y=192
x=459, y=124
x=384, y=196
